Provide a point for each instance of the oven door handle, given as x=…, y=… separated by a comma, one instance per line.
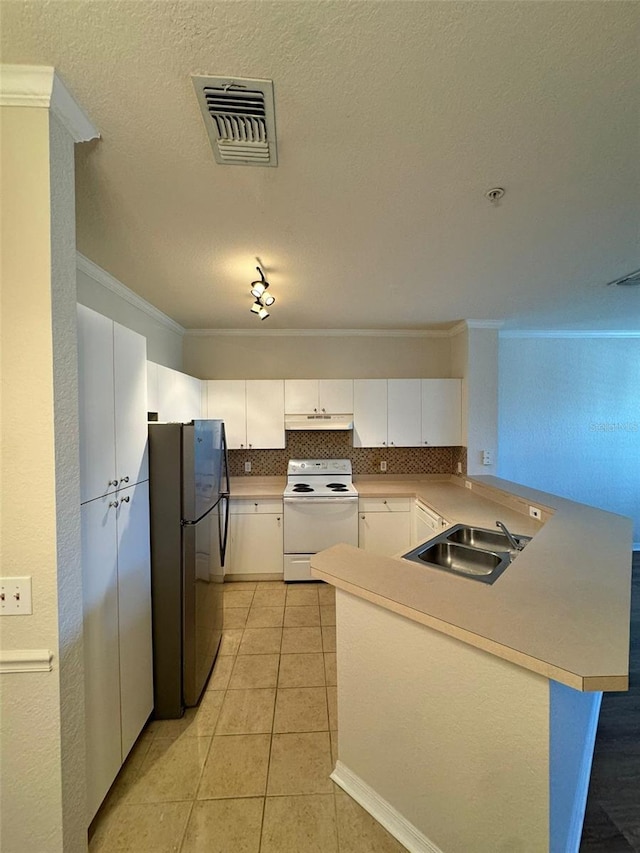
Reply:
x=336, y=500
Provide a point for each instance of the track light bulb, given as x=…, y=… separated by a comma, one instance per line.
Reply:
x=263, y=313
x=256, y=307
x=269, y=300
x=257, y=289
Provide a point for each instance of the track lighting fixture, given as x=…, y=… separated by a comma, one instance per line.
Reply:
x=263, y=300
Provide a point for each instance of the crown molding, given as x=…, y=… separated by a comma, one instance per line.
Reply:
x=106, y=280
x=484, y=324
x=40, y=86
x=570, y=333
x=321, y=333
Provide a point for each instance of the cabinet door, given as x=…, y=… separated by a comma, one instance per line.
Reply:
x=336, y=396
x=134, y=612
x=101, y=647
x=300, y=396
x=441, y=412
x=168, y=394
x=226, y=399
x=265, y=413
x=385, y=533
x=130, y=395
x=95, y=401
x=152, y=386
x=255, y=544
x=192, y=398
x=369, y=412
x=404, y=412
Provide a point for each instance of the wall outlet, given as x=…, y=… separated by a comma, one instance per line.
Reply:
x=459, y=467
x=487, y=457
x=534, y=512
x=383, y=467
x=247, y=467
x=467, y=484
x=15, y=596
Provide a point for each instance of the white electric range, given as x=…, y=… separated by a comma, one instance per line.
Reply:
x=320, y=510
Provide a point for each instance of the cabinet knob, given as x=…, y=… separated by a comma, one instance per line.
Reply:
x=251, y=445
x=114, y=504
x=324, y=410
x=315, y=410
x=256, y=503
x=113, y=482
x=384, y=502
x=362, y=517
x=242, y=445
x=124, y=479
x=391, y=443
x=425, y=441
x=384, y=443
x=278, y=518
x=126, y=499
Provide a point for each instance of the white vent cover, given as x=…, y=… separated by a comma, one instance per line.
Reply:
x=240, y=119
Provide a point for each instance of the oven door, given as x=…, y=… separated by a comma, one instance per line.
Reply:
x=313, y=524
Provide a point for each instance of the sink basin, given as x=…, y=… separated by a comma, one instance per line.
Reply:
x=479, y=537
x=456, y=558
x=473, y=552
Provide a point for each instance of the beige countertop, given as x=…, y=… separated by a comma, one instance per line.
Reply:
x=561, y=609
x=257, y=487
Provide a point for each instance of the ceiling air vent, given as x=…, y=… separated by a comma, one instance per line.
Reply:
x=240, y=119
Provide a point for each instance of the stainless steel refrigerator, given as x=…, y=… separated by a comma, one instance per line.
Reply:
x=189, y=503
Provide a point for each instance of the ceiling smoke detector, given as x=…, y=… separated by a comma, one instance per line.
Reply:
x=239, y=116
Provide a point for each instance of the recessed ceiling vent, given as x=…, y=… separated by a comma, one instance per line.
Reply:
x=632, y=279
x=240, y=119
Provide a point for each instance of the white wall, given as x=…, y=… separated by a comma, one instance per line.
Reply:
x=98, y=290
x=569, y=418
x=322, y=356
x=42, y=746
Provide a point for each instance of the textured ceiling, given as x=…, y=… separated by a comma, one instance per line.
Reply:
x=393, y=118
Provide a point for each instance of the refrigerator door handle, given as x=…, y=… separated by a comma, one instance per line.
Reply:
x=223, y=534
x=225, y=454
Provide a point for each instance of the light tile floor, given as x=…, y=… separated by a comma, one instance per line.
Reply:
x=248, y=770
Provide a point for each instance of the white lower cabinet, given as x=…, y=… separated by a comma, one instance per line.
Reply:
x=255, y=537
x=117, y=632
x=384, y=525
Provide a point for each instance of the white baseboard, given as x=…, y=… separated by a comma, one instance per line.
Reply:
x=382, y=811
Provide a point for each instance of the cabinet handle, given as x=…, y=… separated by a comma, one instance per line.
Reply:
x=124, y=479
x=114, y=504
x=125, y=500
x=113, y=482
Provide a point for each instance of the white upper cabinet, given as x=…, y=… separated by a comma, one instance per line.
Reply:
x=252, y=411
x=112, y=396
x=227, y=400
x=323, y=396
x=179, y=396
x=265, y=413
x=441, y=412
x=404, y=412
x=130, y=415
x=369, y=412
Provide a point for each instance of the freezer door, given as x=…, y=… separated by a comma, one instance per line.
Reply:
x=205, y=476
x=202, y=602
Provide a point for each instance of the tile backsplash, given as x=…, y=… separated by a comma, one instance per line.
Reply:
x=326, y=444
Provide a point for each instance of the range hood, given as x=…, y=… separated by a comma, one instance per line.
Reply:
x=296, y=422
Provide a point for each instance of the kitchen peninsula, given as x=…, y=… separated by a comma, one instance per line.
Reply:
x=468, y=712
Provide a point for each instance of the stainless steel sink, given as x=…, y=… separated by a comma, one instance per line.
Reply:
x=457, y=558
x=473, y=552
x=479, y=537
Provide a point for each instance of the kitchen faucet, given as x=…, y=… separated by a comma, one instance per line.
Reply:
x=517, y=546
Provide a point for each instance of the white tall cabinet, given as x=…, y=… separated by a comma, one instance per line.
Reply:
x=115, y=545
